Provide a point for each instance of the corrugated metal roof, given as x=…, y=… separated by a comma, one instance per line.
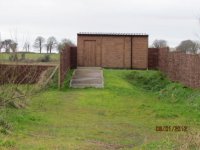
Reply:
x=111, y=34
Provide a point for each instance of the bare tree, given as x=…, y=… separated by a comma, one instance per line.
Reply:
x=188, y=46
x=51, y=43
x=13, y=46
x=26, y=46
x=39, y=43
x=47, y=48
x=6, y=45
x=159, y=44
x=9, y=45
x=68, y=42
x=64, y=42
x=1, y=46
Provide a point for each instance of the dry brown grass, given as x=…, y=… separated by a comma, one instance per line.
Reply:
x=188, y=141
x=18, y=83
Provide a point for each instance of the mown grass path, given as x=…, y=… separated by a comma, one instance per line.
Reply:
x=120, y=116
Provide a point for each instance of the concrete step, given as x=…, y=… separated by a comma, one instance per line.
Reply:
x=87, y=86
x=86, y=81
x=87, y=77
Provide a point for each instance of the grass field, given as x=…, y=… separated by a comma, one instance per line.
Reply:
x=30, y=56
x=123, y=115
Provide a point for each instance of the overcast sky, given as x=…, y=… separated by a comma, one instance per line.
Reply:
x=172, y=20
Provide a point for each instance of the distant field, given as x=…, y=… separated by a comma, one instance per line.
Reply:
x=30, y=56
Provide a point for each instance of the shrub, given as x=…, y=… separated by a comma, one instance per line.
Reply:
x=151, y=80
x=23, y=56
x=46, y=58
x=13, y=57
x=157, y=83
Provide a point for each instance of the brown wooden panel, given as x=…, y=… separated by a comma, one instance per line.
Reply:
x=73, y=57
x=139, y=52
x=153, y=58
x=113, y=52
x=89, y=53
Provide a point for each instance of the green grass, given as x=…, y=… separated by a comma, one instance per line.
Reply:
x=29, y=56
x=123, y=115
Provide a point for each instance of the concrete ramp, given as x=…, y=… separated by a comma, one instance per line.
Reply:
x=84, y=77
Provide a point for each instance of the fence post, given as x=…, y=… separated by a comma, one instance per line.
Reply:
x=64, y=64
x=59, y=84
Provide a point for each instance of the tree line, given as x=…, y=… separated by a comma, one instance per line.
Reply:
x=9, y=45
x=40, y=43
x=186, y=46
